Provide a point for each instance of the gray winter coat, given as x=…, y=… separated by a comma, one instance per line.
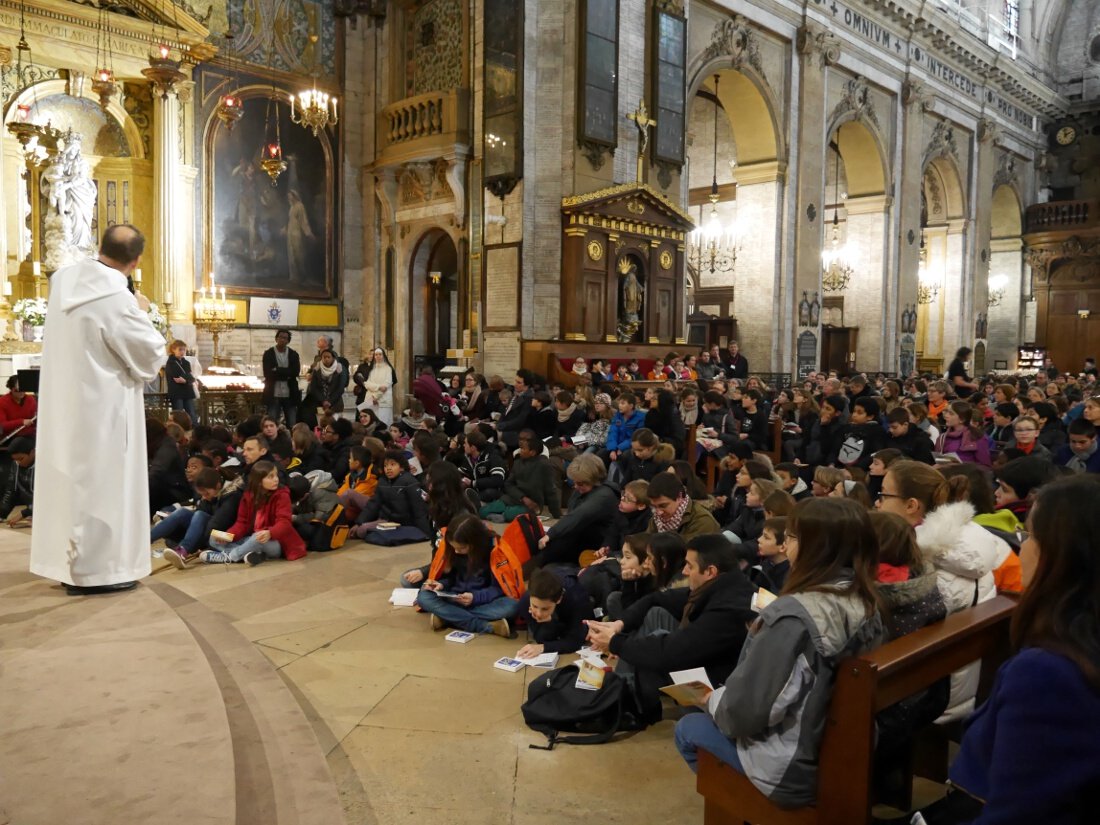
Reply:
x=775, y=702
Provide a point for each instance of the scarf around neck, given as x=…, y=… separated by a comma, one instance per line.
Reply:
x=693, y=599
x=667, y=524
x=567, y=413
x=328, y=372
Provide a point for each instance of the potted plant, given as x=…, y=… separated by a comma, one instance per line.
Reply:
x=32, y=312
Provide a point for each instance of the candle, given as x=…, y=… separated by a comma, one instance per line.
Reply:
x=36, y=268
x=291, y=106
x=212, y=286
x=203, y=293
x=334, y=109
x=168, y=297
x=137, y=275
x=223, y=294
x=7, y=289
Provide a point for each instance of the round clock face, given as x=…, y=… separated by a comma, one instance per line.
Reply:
x=1066, y=135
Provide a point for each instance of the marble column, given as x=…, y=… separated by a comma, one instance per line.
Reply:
x=986, y=151
x=166, y=191
x=817, y=49
x=915, y=102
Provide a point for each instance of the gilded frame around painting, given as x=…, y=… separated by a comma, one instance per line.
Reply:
x=259, y=238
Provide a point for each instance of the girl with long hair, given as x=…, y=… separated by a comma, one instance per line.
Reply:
x=768, y=719
x=962, y=437
x=464, y=588
x=1046, y=699
x=264, y=528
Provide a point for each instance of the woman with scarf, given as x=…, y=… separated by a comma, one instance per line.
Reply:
x=326, y=385
x=374, y=383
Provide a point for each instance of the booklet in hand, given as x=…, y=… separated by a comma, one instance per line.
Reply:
x=689, y=688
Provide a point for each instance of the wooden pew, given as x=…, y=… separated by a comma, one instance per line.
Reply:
x=864, y=686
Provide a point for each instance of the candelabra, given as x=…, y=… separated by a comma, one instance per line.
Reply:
x=997, y=285
x=315, y=109
x=215, y=316
x=836, y=269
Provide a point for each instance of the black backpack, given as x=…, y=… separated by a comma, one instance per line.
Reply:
x=556, y=706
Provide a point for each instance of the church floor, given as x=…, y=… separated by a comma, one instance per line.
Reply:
x=151, y=707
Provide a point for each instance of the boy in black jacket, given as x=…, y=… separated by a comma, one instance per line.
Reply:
x=556, y=611
x=911, y=440
x=215, y=509
x=483, y=468
x=864, y=435
x=604, y=575
x=703, y=625
x=530, y=486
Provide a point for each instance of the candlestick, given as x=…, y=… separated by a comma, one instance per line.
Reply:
x=137, y=275
x=168, y=297
x=36, y=268
x=7, y=289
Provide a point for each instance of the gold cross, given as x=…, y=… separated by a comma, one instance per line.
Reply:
x=643, y=121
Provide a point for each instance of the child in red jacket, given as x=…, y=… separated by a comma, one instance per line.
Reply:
x=264, y=529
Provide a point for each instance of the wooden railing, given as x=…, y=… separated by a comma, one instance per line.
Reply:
x=417, y=127
x=1061, y=216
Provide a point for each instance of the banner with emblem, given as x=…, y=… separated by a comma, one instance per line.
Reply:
x=273, y=312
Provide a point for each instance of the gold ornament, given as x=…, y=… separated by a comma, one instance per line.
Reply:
x=595, y=250
x=666, y=259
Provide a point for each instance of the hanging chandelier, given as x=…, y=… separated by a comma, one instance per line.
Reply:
x=928, y=286
x=836, y=267
x=38, y=141
x=997, y=286
x=315, y=109
x=710, y=246
x=271, y=156
x=104, y=84
x=230, y=107
x=163, y=71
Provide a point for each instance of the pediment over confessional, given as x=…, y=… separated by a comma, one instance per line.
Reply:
x=191, y=18
x=628, y=202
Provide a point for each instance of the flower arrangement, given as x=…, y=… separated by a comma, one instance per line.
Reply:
x=159, y=322
x=31, y=310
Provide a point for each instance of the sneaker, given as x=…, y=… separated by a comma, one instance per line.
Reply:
x=177, y=558
x=253, y=557
x=436, y=622
x=474, y=499
x=214, y=557
x=500, y=628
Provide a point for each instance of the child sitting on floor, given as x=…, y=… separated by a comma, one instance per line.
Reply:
x=264, y=528
x=555, y=613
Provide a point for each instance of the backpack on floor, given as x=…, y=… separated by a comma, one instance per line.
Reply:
x=556, y=706
x=331, y=533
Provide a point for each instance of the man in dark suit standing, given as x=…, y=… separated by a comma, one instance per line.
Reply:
x=281, y=369
x=737, y=365
x=514, y=417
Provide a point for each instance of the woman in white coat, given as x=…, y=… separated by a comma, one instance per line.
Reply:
x=374, y=383
x=963, y=552
x=92, y=484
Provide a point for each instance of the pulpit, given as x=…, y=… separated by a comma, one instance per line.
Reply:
x=623, y=266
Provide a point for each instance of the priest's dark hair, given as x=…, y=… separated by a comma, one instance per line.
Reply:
x=122, y=243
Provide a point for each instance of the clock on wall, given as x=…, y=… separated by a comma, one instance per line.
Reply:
x=1066, y=135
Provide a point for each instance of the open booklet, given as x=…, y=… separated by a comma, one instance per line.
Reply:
x=689, y=687
x=403, y=597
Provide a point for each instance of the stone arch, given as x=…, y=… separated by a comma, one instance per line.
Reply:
x=742, y=89
x=1006, y=213
x=46, y=88
x=863, y=154
x=435, y=250
x=943, y=187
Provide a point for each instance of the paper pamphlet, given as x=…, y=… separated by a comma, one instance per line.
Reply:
x=544, y=660
x=506, y=663
x=403, y=597
x=589, y=675
x=460, y=636
x=689, y=687
x=761, y=599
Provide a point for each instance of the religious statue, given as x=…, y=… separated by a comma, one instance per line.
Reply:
x=71, y=197
x=632, y=294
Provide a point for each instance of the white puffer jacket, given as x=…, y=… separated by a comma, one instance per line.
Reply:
x=965, y=555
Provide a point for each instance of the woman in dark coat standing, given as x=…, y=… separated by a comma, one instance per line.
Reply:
x=180, y=380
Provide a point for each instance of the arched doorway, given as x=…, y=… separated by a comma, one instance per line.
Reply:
x=434, y=297
x=734, y=194
x=856, y=215
x=940, y=324
x=1006, y=279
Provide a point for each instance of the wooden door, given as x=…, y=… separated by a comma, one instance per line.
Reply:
x=1072, y=331
x=838, y=347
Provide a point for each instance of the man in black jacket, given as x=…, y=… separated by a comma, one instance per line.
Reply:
x=483, y=468
x=514, y=417
x=703, y=625
x=281, y=369
x=736, y=364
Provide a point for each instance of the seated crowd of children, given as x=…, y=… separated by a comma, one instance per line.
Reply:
x=894, y=504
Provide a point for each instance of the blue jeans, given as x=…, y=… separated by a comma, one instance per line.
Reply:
x=191, y=522
x=237, y=550
x=697, y=730
x=473, y=619
x=188, y=406
x=289, y=409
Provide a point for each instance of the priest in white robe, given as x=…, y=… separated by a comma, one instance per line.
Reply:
x=92, y=481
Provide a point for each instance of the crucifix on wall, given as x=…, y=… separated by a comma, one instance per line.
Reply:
x=643, y=121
